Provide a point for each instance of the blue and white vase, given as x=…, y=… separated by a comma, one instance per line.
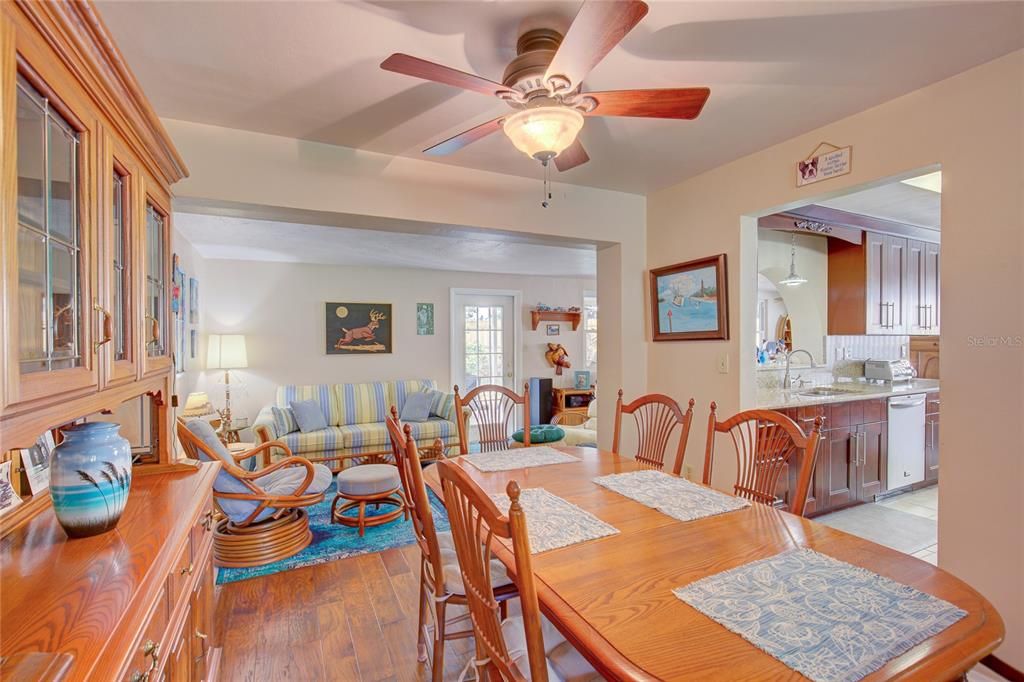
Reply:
x=90, y=476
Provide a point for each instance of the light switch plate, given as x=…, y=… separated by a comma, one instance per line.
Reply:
x=723, y=364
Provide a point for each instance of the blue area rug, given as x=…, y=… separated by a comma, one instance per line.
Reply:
x=332, y=541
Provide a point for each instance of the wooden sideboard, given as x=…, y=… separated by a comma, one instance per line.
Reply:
x=132, y=604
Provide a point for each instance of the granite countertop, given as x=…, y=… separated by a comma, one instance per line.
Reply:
x=780, y=399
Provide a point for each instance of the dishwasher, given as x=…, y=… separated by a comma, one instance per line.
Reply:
x=906, y=441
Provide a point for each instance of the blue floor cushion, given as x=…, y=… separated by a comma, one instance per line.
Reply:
x=541, y=433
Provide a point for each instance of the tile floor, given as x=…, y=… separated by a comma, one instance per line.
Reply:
x=923, y=503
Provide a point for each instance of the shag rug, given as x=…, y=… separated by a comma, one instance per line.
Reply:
x=332, y=541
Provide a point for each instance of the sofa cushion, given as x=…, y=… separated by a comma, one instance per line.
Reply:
x=369, y=479
x=324, y=440
x=322, y=393
x=426, y=432
x=402, y=389
x=284, y=420
x=417, y=407
x=308, y=415
x=363, y=403
x=442, y=405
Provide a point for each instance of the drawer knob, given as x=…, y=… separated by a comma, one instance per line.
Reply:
x=208, y=521
x=152, y=650
x=188, y=570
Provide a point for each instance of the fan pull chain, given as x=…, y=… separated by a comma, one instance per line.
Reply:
x=546, y=197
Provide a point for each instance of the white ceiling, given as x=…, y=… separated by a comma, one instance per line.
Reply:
x=309, y=70
x=227, y=238
x=894, y=201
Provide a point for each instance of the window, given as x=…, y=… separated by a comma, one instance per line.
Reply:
x=156, y=319
x=49, y=240
x=485, y=358
x=121, y=313
x=590, y=330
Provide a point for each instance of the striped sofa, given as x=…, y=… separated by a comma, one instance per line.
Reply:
x=355, y=415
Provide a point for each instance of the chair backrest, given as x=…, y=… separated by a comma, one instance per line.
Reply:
x=765, y=442
x=657, y=417
x=475, y=521
x=493, y=409
x=570, y=419
x=417, y=501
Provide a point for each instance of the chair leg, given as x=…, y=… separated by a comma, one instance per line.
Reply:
x=421, y=635
x=503, y=609
x=437, y=666
x=362, y=519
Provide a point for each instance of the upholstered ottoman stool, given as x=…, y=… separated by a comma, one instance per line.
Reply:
x=374, y=484
x=540, y=434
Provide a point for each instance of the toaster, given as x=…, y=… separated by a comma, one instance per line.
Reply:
x=888, y=370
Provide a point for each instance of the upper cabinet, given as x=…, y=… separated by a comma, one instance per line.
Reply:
x=85, y=222
x=884, y=285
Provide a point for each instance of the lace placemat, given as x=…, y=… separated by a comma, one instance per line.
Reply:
x=553, y=522
x=518, y=458
x=822, y=617
x=671, y=495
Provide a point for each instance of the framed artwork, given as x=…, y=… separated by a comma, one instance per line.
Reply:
x=36, y=462
x=177, y=287
x=193, y=300
x=8, y=498
x=193, y=344
x=358, y=328
x=553, y=329
x=581, y=380
x=424, y=319
x=689, y=301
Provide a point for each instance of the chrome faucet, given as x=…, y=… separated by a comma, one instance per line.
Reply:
x=786, y=382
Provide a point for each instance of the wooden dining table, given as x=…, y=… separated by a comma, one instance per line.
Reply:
x=612, y=597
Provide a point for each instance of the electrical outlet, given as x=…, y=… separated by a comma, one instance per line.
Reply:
x=723, y=364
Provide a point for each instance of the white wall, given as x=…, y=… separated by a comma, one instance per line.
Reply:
x=194, y=266
x=971, y=124
x=807, y=303
x=280, y=309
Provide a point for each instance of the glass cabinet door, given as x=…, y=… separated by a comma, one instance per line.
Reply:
x=49, y=237
x=156, y=285
x=121, y=281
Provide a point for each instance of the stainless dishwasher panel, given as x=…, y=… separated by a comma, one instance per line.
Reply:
x=906, y=441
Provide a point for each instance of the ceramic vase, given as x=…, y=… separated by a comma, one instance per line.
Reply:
x=90, y=476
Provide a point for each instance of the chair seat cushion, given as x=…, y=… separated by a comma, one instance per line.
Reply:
x=541, y=433
x=281, y=482
x=565, y=664
x=453, y=576
x=368, y=479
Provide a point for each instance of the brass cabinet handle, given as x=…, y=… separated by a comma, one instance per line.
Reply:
x=203, y=637
x=152, y=650
x=108, y=326
x=208, y=521
x=188, y=571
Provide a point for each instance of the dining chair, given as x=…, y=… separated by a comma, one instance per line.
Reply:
x=440, y=580
x=493, y=409
x=657, y=417
x=765, y=442
x=518, y=648
x=263, y=509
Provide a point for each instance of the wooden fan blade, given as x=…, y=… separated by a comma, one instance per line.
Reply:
x=572, y=156
x=453, y=144
x=421, y=68
x=662, y=103
x=599, y=26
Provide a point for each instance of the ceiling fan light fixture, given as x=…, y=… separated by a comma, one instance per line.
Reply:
x=543, y=133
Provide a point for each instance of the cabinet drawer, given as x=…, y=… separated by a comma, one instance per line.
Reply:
x=806, y=415
x=874, y=411
x=202, y=532
x=148, y=649
x=180, y=574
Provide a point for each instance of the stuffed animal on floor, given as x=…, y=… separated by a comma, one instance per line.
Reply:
x=557, y=357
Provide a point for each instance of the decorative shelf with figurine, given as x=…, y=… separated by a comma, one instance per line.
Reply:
x=543, y=313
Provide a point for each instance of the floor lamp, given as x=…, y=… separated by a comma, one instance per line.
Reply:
x=226, y=352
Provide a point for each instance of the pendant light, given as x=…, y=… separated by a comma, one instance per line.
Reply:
x=793, y=279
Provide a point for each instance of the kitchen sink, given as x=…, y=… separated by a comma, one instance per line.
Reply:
x=826, y=391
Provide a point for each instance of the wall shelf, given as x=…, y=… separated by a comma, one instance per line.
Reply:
x=556, y=316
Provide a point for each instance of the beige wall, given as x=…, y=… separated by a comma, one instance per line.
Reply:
x=972, y=125
x=247, y=168
x=807, y=303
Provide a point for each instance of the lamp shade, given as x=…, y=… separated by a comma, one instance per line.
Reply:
x=226, y=351
x=197, y=405
x=543, y=132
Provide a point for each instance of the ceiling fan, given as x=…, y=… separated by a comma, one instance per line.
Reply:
x=542, y=84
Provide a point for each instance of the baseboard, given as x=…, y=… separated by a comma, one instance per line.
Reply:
x=1000, y=666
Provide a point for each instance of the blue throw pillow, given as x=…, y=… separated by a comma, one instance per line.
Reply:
x=284, y=420
x=439, y=403
x=417, y=407
x=308, y=415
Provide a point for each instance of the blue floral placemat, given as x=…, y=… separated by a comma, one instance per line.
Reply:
x=518, y=458
x=552, y=522
x=822, y=617
x=671, y=495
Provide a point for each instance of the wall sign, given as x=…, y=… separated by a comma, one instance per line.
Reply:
x=831, y=163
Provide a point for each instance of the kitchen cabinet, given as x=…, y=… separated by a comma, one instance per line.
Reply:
x=885, y=285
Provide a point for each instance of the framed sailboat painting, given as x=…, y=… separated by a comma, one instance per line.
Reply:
x=689, y=301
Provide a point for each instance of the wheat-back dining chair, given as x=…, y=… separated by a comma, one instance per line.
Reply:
x=765, y=443
x=657, y=417
x=493, y=409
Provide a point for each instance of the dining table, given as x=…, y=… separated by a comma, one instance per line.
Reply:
x=612, y=597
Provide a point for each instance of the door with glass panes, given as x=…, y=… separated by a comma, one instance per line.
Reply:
x=484, y=340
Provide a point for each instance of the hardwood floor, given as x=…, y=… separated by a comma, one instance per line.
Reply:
x=347, y=620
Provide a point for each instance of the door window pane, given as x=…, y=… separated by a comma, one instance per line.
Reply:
x=49, y=253
x=156, y=322
x=120, y=312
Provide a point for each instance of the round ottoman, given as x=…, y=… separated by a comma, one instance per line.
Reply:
x=540, y=434
x=374, y=484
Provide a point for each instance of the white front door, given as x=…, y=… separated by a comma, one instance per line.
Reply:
x=484, y=340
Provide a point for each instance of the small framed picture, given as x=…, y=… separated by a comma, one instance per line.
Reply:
x=554, y=329
x=36, y=462
x=581, y=380
x=8, y=498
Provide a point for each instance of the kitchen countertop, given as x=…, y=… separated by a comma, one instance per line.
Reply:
x=780, y=399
